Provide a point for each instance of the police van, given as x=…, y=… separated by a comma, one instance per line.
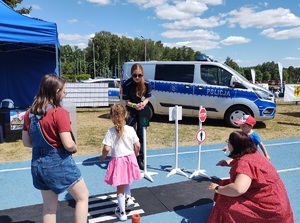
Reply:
x=222, y=91
x=113, y=88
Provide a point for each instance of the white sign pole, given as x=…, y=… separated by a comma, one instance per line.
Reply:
x=178, y=112
x=280, y=76
x=146, y=174
x=198, y=172
x=199, y=148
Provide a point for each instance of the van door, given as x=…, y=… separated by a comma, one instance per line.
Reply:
x=174, y=86
x=213, y=91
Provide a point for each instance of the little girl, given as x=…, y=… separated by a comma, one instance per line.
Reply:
x=123, y=168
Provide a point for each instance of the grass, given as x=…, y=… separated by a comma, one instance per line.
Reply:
x=92, y=124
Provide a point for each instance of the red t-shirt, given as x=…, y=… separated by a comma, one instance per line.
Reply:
x=52, y=123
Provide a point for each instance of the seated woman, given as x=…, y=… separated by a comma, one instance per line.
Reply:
x=254, y=192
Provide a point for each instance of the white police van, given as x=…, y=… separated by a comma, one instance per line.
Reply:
x=223, y=92
x=113, y=88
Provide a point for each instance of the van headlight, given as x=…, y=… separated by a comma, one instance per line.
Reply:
x=265, y=95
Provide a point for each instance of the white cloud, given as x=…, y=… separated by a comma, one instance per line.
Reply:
x=214, y=2
x=283, y=34
x=72, y=21
x=291, y=58
x=148, y=4
x=181, y=10
x=246, y=17
x=195, y=22
x=263, y=4
x=36, y=7
x=74, y=37
x=79, y=45
x=197, y=45
x=194, y=34
x=245, y=62
x=100, y=2
x=234, y=40
x=192, y=6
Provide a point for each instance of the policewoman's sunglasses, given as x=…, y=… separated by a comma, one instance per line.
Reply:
x=137, y=75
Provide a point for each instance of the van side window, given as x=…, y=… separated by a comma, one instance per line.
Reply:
x=178, y=73
x=215, y=75
x=111, y=84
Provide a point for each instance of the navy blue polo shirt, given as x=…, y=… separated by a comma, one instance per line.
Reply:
x=129, y=91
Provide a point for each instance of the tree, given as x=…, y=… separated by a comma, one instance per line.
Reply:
x=266, y=76
x=13, y=4
x=272, y=68
x=258, y=76
x=229, y=62
x=247, y=73
x=293, y=74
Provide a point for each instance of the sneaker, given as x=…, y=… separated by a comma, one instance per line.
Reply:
x=120, y=215
x=129, y=203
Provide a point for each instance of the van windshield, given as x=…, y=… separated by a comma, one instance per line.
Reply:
x=237, y=73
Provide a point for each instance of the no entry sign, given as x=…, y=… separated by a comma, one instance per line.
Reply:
x=202, y=114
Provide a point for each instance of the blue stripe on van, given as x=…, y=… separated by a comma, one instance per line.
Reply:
x=192, y=89
x=113, y=93
x=172, y=87
x=265, y=105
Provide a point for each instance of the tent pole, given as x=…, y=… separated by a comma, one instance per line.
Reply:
x=57, y=62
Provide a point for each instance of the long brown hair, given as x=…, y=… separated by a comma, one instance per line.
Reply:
x=50, y=85
x=118, y=116
x=241, y=143
x=141, y=88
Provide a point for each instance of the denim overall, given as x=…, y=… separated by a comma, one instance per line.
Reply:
x=51, y=168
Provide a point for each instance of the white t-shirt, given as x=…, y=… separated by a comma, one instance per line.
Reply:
x=123, y=146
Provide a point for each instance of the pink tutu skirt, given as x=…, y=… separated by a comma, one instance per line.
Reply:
x=122, y=170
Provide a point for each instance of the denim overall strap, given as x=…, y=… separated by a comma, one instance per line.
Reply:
x=40, y=145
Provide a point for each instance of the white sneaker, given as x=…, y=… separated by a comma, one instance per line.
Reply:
x=129, y=203
x=121, y=216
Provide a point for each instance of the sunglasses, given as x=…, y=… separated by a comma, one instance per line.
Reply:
x=137, y=75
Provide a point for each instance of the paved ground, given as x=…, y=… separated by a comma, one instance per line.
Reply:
x=17, y=190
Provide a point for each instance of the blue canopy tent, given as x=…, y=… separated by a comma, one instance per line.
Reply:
x=29, y=49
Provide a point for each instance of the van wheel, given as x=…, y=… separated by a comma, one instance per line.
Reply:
x=151, y=111
x=235, y=113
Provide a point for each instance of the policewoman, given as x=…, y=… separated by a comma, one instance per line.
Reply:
x=136, y=92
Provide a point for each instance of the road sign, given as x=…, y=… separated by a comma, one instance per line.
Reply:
x=175, y=113
x=201, y=135
x=202, y=114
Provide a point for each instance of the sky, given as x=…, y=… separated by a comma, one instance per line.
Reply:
x=250, y=32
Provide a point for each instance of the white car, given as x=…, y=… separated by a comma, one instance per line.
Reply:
x=113, y=88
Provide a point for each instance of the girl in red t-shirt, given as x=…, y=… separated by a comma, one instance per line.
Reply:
x=47, y=130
